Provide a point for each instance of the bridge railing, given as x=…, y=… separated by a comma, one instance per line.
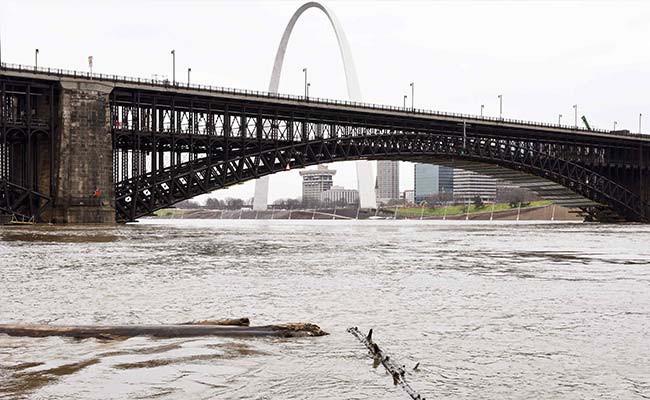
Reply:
x=218, y=89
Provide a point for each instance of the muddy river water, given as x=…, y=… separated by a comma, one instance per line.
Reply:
x=489, y=310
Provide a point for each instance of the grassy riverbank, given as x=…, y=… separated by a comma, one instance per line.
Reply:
x=345, y=213
x=170, y=212
x=460, y=209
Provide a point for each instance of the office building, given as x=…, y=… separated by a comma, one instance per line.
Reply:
x=432, y=180
x=468, y=185
x=387, y=181
x=409, y=196
x=338, y=195
x=315, y=182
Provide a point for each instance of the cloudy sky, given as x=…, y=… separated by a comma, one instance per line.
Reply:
x=542, y=56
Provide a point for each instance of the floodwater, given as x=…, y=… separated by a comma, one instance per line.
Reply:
x=489, y=310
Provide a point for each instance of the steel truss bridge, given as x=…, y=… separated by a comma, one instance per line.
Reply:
x=174, y=142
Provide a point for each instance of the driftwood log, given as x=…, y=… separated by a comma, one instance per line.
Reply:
x=230, y=321
x=201, y=328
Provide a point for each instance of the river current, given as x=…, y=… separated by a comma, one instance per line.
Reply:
x=490, y=310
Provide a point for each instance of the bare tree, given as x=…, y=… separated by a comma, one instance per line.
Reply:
x=234, y=204
x=287, y=203
x=439, y=198
x=214, y=204
x=515, y=196
x=478, y=202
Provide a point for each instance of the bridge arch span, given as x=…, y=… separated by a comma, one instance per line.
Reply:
x=364, y=171
x=202, y=175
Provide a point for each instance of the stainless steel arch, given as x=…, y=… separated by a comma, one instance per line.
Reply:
x=364, y=169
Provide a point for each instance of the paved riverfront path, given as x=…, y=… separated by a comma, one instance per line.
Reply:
x=489, y=310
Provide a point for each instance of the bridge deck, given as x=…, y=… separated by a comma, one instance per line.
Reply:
x=272, y=99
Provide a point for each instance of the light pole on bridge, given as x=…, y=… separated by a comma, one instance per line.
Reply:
x=308, y=86
x=174, y=67
x=188, y=76
x=482, y=107
x=305, y=71
x=615, y=122
x=36, y=59
x=640, y=123
x=500, y=106
x=559, y=119
x=404, y=103
x=575, y=111
x=412, y=96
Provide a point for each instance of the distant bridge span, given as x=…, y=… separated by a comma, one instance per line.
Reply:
x=147, y=145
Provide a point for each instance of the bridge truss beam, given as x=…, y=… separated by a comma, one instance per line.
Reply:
x=27, y=148
x=169, y=147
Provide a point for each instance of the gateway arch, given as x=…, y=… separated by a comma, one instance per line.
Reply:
x=364, y=169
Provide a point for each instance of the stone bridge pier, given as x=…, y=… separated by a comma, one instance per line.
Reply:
x=85, y=190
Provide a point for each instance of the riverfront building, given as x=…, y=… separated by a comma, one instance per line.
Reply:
x=338, y=195
x=432, y=180
x=315, y=182
x=468, y=185
x=409, y=196
x=387, y=181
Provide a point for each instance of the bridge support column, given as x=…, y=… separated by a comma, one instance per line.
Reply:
x=644, y=176
x=84, y=153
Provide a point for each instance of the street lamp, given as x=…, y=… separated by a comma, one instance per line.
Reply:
x=188, y=76
x=412, y=96
x=575, y=110
x=36, y=59
x=404, y=105
x=640, y=123
x=500, y=106
x=308, y=86
x=615, y=122
x=305, y=71
x=174, y=67
x=482, y=107
x=559, y=119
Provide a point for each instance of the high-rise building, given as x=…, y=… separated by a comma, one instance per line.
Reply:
x=445, y=179
x=387, y=180
x=316, y=181
x=468, y=185
x=432, y=180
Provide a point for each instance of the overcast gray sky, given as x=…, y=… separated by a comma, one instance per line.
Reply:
x=543, y=56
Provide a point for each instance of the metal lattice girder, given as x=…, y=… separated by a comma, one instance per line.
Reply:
x=199, y=143
x=27, y=143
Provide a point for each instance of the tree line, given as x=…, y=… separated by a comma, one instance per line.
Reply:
x=230, y=203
